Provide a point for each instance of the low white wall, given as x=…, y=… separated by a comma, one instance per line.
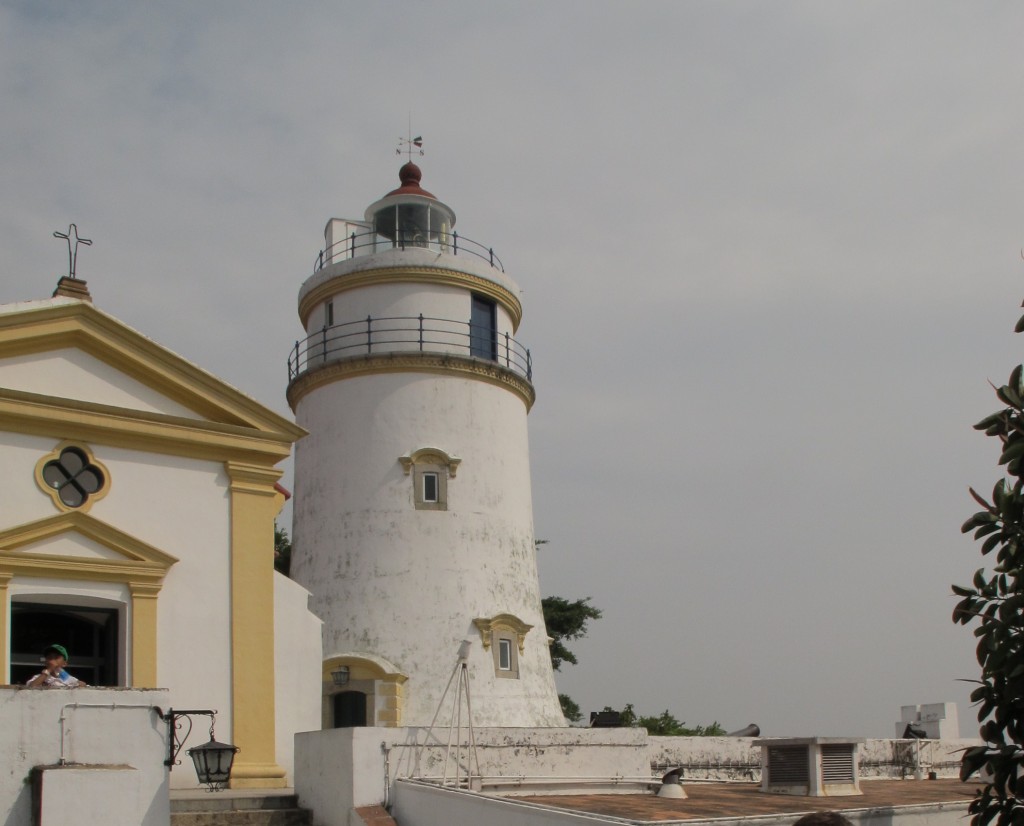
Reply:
x=338, y=769
x=297, y=665
x=898, y=758
x=736, y=758
x=114, y=728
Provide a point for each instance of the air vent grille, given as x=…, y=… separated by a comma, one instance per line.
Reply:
x=787, y=766
x=836, y=764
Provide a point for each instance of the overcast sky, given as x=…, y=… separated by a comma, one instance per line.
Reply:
x=770, y=257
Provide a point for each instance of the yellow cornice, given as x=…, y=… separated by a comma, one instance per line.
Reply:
x=141, y=565
x=257, y=479
x=80, y=325
x=502, y=622
x=412, y=275
x=39, y=415
x=411, y=362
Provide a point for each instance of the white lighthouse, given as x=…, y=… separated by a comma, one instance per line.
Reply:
x=413, y=520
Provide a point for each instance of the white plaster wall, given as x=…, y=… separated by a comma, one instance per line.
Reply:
x=404, y=300
x=297, y=654
x=180, y=506
x=411, y=257
x=115, y=733
x=23, y=500
x=405, y=584
x=74, y=374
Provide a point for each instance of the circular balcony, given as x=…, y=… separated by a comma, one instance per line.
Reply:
x=371, y=242
x=373, y=336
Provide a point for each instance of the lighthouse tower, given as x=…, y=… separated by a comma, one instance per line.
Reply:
x=413, y=520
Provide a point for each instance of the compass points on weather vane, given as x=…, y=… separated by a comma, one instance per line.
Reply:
x=410, y=145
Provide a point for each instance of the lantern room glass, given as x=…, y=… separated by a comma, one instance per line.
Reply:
x=412, y=225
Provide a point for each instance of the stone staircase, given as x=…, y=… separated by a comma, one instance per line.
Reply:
x=238, y=808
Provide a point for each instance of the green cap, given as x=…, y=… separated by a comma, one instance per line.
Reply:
x=60, y=649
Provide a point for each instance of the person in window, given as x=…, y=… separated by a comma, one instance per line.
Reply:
x=54, y=675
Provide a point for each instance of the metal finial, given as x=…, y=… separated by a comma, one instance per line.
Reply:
x=72, y=234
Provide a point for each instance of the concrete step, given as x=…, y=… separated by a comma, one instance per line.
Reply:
x=237, y=808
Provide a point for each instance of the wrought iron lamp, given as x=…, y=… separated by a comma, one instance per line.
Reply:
x=340, y=675
x=212, y=760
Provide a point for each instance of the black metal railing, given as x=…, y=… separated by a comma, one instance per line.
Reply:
x=403, y=334
x=370, y=242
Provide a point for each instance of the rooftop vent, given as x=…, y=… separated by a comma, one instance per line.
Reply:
x=811, y=766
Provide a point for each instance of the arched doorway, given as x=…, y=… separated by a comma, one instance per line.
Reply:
x=349, y=709
x=90, y=634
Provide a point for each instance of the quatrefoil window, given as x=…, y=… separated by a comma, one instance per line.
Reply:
x=73, y=477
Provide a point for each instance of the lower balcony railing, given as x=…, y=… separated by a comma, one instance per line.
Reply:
x=402, y=334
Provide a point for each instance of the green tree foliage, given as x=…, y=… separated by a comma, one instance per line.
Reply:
x=570, y=708
x=994, y=601
x=282, y=550
x=566, y=621
x=665, y=724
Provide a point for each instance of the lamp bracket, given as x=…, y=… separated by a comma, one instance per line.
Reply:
x=175, y=740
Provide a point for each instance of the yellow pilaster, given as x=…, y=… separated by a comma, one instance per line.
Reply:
x=5, y=580
x=144, y=634
x=253, y=507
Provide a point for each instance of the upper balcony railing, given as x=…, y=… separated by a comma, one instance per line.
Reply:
x=403, y=334
x=370, y=242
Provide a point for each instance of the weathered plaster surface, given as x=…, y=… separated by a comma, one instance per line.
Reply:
x=107, y=727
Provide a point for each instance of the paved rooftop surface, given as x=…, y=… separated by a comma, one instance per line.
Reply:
x=721, y=800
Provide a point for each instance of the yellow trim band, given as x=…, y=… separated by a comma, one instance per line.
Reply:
x=343, y=282
x=414, y=362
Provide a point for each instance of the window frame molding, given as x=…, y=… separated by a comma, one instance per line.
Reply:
x=430, y=460
x=503, y=627
x=54, y=494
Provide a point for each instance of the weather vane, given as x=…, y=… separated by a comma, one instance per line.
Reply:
x=72, y=234
x=410, y=144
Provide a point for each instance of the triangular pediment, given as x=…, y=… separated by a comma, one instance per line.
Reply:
x=80, y=546
x=127, y=370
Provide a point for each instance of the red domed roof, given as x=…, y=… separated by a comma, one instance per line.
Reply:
x=410, y=176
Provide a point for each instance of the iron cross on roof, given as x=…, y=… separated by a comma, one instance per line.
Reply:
x=72, y=234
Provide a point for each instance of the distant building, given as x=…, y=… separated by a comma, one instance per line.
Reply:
x=413, y=519
x=937, y=721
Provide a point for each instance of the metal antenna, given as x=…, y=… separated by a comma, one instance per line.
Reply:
x=464, y=757
x=410, y=144
x=72, y=234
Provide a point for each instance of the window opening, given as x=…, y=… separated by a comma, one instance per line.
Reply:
x=430, y=487
x=329, y=314
x=90, y=635
x=483, y=329
x=74, y=477
x=504, y=655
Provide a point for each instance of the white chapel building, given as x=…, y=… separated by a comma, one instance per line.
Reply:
x=137, y=529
